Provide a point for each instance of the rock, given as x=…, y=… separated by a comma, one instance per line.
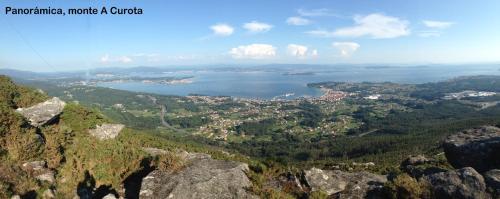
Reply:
x=464, y=183
x=203, y=177
x=181, y=153
x=492, y=179
x=478, y=148
x=106, y=131
x=415, y=160
x=48, y=176
x=345, y=184
x=35, y=165
x=44, y=112
x=40, y=171
x=109, y=196
x=286, y=181
x=154, y=151
x=49, y=193
x=418, y=166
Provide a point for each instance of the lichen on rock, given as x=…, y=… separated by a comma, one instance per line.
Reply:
x=106, y=131
x=43, y=113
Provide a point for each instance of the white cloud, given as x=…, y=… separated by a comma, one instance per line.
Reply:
x=315, y=12
x=346, y=48
x=314, y=53
x=119, y=59
x=253, y=51
x=300, y=51
x=298, y=21
x=297, y=50
x=437, y=24
x=429, y=33
x=105, y=58
x=257, y=27
x=222, y=29
x=321, y=33
x=376, y=25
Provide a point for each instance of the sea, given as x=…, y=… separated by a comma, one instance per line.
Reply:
x=291, y=82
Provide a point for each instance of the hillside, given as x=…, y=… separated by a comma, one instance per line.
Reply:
x=345, y=125
x=62, y=157
x=55, y=149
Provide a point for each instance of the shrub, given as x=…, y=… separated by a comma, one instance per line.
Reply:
x=169, y=162
x=108, y=162
x=318, y=195
x=406, y=187
x=81, y=119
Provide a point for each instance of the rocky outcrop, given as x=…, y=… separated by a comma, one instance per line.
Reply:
x=154, y=151
x=203, y=177
x=285, y=182
x=345, y=184
x=48, y=176
x=44, y=112
x=415, y=160
x=49, y=193
x=464, y=183
x=418, y=166
x=106, y=131
x=40, y=171
x=492, y=179
x=109, y=196
x=35, y=165
x=478, y=148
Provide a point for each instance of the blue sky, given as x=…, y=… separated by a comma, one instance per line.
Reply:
x=200, y=32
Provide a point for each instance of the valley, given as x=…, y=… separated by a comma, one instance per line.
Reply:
x=357, y=133
x=362, y=122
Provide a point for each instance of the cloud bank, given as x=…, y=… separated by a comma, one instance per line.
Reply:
x=253, y=51
x=301, y=51
x=346, y=48
x=376, y=26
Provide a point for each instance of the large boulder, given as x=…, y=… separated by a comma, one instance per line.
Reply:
x=203, y=177
x=492, y=179
x=478, y=148
x=44, y=112
x=345, y=184
x=106, y=131
x=465, y=183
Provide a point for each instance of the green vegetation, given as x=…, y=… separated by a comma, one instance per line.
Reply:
x=404, y=186
x=406, y=119
x=278, y=136
x=79, y=160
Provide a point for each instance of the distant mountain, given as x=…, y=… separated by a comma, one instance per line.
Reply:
x=20, y=74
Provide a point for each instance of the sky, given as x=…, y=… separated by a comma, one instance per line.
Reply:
x=198, y=32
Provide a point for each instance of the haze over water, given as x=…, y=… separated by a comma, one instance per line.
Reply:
x=268, y=84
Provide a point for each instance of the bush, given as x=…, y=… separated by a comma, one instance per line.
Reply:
x=57, y=139
x=406, y=187
x=24, y=146
x=169, y=162
x=107, y=162
x=318, y=195
x=81, y=119
x=16, y=96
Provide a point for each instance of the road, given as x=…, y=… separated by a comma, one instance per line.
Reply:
x=163, y=112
